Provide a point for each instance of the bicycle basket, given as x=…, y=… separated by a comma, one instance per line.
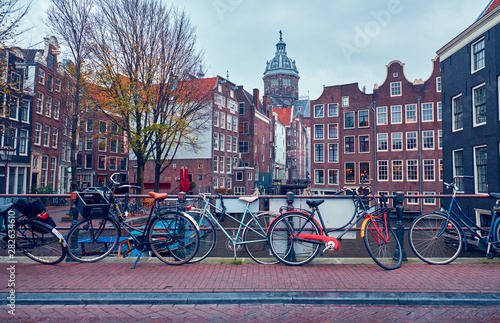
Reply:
x=92, y=204
x=29, y=209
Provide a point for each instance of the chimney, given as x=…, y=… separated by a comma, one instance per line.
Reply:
x=269, y=113
x=256, y=99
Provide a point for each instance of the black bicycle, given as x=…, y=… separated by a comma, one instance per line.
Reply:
x=171, y=235
x=33, y=233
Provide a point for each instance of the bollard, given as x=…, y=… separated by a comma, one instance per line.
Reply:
x=400, y=229
x=74, y=215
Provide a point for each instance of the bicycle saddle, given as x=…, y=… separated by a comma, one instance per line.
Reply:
x=248, y=199
x=495, y=195
x=5, y=207
x=314, y=203
x=158, y=196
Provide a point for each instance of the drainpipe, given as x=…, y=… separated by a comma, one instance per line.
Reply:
x=373, y=107
x=420, y=166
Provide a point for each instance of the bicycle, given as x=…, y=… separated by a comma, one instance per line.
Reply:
x=171, y=235
x=251, y=234
x=295, y=236
x=32, y=233
x=437, y=238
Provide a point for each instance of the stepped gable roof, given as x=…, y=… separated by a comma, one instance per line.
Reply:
x=492, y=5
x=284, y=115
x=281, y=63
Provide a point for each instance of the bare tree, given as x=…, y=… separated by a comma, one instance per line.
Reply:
x=12, y=14
x=143, y=55
x=70, y=20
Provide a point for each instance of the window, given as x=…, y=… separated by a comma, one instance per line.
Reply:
x=102, y=144
x=318, y=111
x=49, y=82
x=427, y=112
x=345, y=101
x=216, y=118
x=43, y=175
x=363, y=117
x=13, y=106
x=383, y=170
x=243, y=146
x=428, y=138
x=113, y=146
x=88, y=143
x=480, y=174
x=235, y=124
x=228, y=166
x=101, y=162
x=229, y=122
x=103, y=126
x=478, y=55
x=46, y=135
x=15, y=79
x=440, y=139
x=55, y=136
x=333, y=109
x=440, y=161
x=38, y=133
x=411, y=140
x=397, y=141
x=412, y=170
x=57, y=108
x=438, y=84
x=333, y=131
x=79, y=161
x=381, y=115
x=25, y=110
x=333, y=153
x=412, y=200
x=397, y=170
x=429, y=170
x=382, y=142
x=479, y=105
x=319, y=153
x=396, y=89
x=239, y=176
x=364, y=171
x=411, y=113
x=440, y=111
x=58, y=85
x=216, y=141
x=216, y=164
x=319, y=176
x=241, y=108
x=349, y=144
x=243, y=127
x=41, y=76
x=350, y=175
x=222, y=142
x=229, y=142
x=364, y=144
x=89, y=125
x=123, y=163
x=222, y=120
x=63, y=151
x=333, y=176
x=112, y=163
x=318, y=131
x=458, y=113
x=48, y=107
x=23, y=142
x=429, y=200
x=458, y=168
x=88, y=161
x=39, y=103
x=235, y=145
x=349, y=120
x=396, y=114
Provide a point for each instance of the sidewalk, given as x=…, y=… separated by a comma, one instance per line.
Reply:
x=335, y=282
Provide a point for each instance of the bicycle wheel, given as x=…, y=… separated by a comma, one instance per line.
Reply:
x=208, y=236
x=288, y=250
x=383, y=246
x=91, y=240
x=174, y=238
x=255, y=238
x=428, y=246
x=38, y=242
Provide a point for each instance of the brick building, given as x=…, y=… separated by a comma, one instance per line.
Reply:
x=15, y=123
x=392, y=137
x=471, y=107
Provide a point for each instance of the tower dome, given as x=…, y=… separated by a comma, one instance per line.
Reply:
x=281, y=77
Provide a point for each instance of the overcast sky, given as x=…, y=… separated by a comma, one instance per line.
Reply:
x=332, y=41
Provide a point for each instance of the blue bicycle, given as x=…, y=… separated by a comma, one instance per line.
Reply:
x=437, y=238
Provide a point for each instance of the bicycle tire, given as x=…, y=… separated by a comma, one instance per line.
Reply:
x=430, y=248
x=173, y=238
x=255, y=239
x=387, y=254
x=38, y=242
x=91, y=240
x=208, y=236
x=287, y=250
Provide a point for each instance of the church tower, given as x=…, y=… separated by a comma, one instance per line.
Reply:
x=281, y=77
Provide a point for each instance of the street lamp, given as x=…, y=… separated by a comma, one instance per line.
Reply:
x=6, y=154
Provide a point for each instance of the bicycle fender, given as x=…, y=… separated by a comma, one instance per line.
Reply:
x=307, y=236
x=60, y=236
x=363, y=225
x=192, y=220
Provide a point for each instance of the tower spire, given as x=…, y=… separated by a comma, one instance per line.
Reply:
x=281, y=36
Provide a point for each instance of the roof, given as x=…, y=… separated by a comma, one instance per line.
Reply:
x=303, y=107
x=284, y=115
x=492, y=5
x=30, y=54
